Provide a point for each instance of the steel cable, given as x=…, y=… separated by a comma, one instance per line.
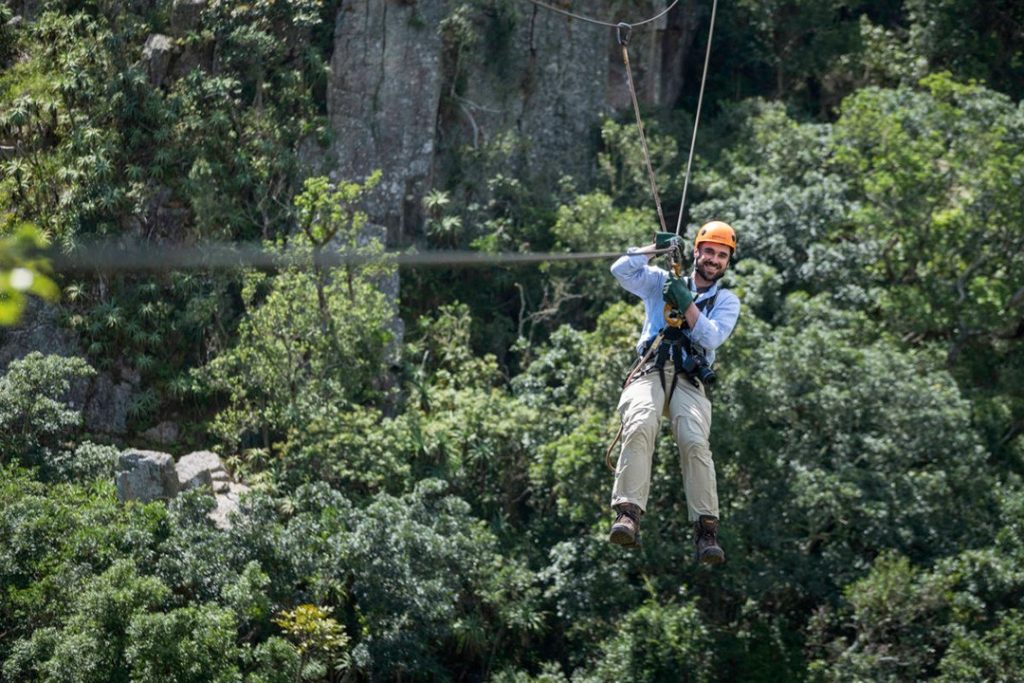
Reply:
x=115, y=257
x=696, y=119
x=591, y=20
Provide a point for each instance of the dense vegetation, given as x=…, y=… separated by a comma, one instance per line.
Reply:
x=436, y=509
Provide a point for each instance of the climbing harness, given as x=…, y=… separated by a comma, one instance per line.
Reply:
x=673, y=331
x=670, y=342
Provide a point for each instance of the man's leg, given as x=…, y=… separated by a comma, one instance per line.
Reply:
x=640, y=407
x=690, y=411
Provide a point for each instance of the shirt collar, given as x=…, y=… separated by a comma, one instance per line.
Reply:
x=710, y=291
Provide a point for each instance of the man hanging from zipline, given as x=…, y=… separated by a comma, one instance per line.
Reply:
x=687, y=318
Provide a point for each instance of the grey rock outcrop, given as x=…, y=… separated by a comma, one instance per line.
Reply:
x=548, y=86
x=195, y=470
x=146, y=476
x=38, y=330
x=104, y=400
x=383, y=98
x=185, y=15
x=151, y=475
x=157, y=55
x=409, y=89
x=106, y=408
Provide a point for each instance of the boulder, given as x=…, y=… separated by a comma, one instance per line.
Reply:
x=146, y=476
x=157, y=55
x=152, y=475
x=227, y=503
x=196, y=470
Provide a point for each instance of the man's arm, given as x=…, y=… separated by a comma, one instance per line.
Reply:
x=633, y=273
x=692, y=315
x=710, y=331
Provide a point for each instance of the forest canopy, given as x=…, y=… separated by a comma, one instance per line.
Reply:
x=423, y=447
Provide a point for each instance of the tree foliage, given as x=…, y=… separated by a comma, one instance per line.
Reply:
x=314, y=340
x=429, y=494
x=40, y=422
x=22, y=272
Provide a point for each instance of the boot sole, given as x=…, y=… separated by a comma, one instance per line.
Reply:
x=624, y=538
x=712, y=558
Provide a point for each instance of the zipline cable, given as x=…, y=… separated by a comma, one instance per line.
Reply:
x=591, y=20
x=115, y=257
x=623, y=31
x=696, y=118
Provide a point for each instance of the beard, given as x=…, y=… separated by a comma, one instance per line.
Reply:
x=700, y=266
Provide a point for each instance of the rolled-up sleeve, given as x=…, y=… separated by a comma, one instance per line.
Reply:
x=712, y=330
x=636, y=276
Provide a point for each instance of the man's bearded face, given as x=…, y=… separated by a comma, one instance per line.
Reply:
x=711, y=260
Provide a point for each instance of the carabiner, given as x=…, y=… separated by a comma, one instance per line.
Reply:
x=622, y=32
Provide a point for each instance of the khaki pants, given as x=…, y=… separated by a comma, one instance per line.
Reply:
x=641, y=406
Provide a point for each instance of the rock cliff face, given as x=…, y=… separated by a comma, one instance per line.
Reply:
x=104, y=399
x=383, y=98
x=414, y=81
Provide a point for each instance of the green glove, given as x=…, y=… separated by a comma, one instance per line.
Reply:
x=677, y=294
x=664, y=240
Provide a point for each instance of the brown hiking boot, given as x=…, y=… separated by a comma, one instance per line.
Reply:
x=705, y=536
x=626, y=527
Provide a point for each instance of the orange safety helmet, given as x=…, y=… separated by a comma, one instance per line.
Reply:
x=717, y=232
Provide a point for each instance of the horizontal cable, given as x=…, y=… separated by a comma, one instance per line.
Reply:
x=107, y=258
x=591, y=20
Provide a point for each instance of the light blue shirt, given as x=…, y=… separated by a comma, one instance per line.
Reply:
x=646, y=281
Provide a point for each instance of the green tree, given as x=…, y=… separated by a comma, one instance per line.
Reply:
x=40, y=422
x=36, y=419
x=828, y=474
x=314, y=339
x=996, y=656
x=974, y=40
x=956, y=620
x=58, y=536
x=321, y=641
x=935, y=174
x=789, y=49
x=577, y=293
x=90, y=646
x=778, y=186
x=469, y=429
x=656, y=642
x=427, y=579
x=194, y=644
